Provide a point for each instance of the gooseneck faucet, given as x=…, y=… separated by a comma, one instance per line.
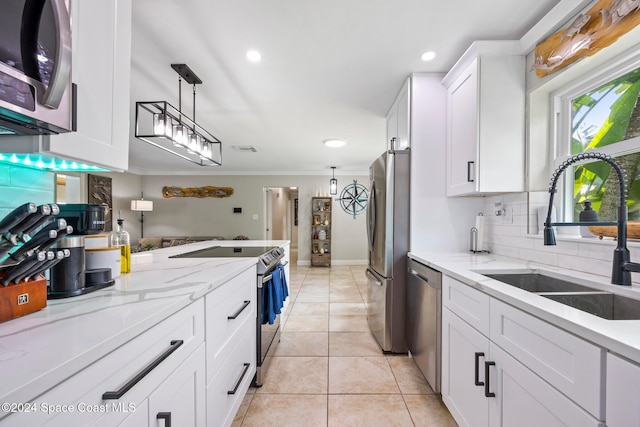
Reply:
x=622, y=265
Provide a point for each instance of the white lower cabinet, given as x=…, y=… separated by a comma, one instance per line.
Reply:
x=623, y=389
x=523, y=399
x=463, y=349
x=522, y=371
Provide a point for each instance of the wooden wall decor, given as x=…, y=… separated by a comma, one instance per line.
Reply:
x=199, y=192
x=590, y=32
x=99, y=189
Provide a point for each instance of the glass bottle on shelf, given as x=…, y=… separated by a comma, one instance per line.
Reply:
x=120, y=238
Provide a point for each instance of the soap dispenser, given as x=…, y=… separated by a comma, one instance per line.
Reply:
x=587, y=215
x=120, y=237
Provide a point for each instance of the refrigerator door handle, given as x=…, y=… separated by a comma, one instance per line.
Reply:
x=371, y=216
x=373, y=278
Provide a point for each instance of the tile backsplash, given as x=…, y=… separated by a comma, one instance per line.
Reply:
x=517, y=236
x=20, y=185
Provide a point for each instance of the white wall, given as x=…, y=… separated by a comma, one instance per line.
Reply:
x=190, y=216
x=437, y=222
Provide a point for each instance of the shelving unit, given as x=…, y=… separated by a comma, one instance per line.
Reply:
x=321, y=231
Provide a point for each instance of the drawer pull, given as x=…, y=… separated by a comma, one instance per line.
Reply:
x=487, y=385
x=237, y=313
x=110, y=395
x=477, y=369
x=469, y=163
x=166, y=416
x=244, y=372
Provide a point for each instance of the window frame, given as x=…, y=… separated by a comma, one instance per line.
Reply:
x=561, y=101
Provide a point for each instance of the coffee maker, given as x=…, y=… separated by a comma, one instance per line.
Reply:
x=70, y=277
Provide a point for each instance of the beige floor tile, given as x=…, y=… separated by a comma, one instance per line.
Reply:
x=348, y=324
x=409, y=378
x=361, y=375
x=303, y=344
x=316, y=281
x=244, y=407
x=311, y=294
x=306, y=324
x=342, y=281
x=296, y=375
x=287, y=410
x=368, y=410
x=302, y=308
x=346, y=295
x=428, y=411
x=347, y=309
x=353, y=344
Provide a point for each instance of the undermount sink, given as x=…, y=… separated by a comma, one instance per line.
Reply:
x=536, y=282
x=593, y=301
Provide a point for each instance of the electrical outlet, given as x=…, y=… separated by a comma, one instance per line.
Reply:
x=255, y=217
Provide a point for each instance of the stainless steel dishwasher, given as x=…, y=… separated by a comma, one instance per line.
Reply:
x=424, y=320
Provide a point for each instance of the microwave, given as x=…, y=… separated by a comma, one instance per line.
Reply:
x=36, y=92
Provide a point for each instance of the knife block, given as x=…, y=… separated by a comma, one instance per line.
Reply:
x=23, y=298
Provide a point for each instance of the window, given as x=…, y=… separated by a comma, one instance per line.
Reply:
x=603, y=116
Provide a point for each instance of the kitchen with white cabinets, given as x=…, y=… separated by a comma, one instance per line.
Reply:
x=483, y=138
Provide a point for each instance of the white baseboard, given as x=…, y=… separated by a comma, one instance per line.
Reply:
x=306, y=262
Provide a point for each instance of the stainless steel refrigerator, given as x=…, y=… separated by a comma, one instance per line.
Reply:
x=388, y=236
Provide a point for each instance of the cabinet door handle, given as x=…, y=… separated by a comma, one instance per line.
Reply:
x=477, y=369
x=244, y=372
x=237, y=313
x=166, y=416
x=469, y=163
x=487, y=385
x=111, y=395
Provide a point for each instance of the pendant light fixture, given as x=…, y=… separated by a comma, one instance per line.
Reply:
x=165, y=127
x=333, y=183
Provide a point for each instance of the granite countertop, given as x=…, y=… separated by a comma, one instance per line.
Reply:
x=41, y=349
x=619, y=336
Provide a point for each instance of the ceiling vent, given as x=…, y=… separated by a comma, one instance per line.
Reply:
x=244, y=148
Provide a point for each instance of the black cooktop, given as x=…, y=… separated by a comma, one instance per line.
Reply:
x=225, y=252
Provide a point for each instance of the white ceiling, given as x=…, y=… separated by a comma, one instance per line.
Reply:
x=329, y=69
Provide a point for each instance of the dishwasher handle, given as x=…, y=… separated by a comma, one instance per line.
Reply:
x=435, y=283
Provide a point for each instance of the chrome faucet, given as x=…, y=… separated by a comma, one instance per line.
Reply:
x=622, y=265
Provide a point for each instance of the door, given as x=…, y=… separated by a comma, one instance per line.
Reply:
x=523, y=399
x=464, y=351
x=379, y=310
x=379, y=217
x=268, y=213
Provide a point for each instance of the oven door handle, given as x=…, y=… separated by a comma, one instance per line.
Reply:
x=264, y=280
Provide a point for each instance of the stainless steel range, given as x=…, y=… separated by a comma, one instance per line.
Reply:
x=269, y=257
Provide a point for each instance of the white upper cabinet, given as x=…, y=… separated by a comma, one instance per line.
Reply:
x=101, y=70
x=399, y=121
x=485, y=120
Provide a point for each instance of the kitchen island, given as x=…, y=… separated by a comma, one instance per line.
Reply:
x=42, y=350
x=514, y=357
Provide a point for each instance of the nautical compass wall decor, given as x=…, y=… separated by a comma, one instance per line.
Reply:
x=353, y=198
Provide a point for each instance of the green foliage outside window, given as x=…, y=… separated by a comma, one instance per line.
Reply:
x=605, y=116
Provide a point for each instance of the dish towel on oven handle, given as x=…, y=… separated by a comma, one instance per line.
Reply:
x=274, y=293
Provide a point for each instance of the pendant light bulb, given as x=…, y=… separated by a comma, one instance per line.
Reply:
x=333, y=182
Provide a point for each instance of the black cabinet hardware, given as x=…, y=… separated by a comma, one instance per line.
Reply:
x=110, y=395
x=244, y=372
x=487, y=385
x=477, y=369
x=469, y=163
x=237, y=313
x=166, y=416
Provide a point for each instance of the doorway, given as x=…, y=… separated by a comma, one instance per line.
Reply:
x=281, y=216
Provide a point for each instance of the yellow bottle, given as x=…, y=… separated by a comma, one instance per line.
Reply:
x=120, y=237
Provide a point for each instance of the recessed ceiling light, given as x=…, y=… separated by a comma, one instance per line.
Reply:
x=428, y=56
x=254, y=56
x=334, y=142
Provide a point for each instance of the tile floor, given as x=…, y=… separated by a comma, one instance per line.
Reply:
x=328, y=369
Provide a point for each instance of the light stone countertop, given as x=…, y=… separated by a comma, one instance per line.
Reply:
x=41, y=349
x=619, y=336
